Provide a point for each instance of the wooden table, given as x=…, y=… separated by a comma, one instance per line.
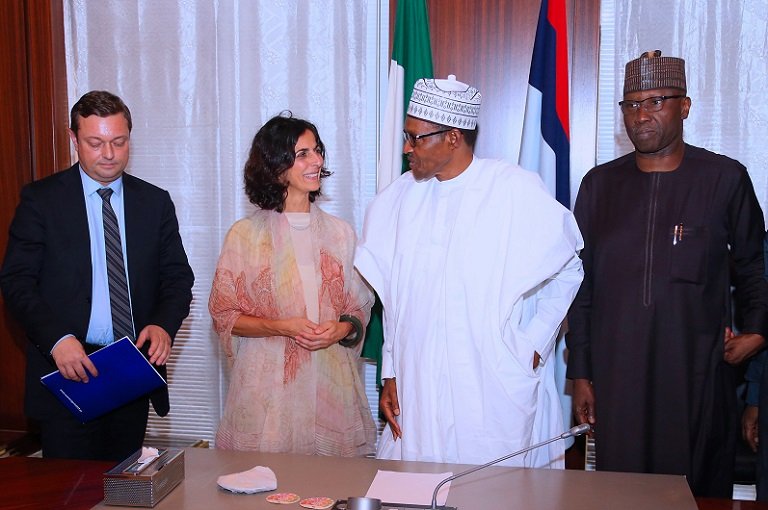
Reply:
x=31, y=483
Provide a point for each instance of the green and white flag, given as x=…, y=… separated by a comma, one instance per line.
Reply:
x=411, y=60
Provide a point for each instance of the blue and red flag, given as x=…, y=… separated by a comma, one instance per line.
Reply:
x=546, y=146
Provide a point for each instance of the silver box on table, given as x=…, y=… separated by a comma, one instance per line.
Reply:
x=133, y=484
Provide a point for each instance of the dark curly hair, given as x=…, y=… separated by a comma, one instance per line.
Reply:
x=272, y=153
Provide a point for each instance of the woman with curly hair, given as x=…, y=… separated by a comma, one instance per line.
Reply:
x=290, y=309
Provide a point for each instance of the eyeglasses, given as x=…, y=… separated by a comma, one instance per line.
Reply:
x=412, y=139
x=650, y=104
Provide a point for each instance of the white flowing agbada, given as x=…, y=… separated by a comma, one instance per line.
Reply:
x=475, y=274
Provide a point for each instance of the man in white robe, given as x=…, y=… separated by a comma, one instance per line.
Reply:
x=476, y=266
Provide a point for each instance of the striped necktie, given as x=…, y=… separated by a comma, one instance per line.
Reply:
x=119, y=302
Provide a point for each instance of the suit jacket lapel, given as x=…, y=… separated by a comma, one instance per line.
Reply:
x=135, y=219
x=72, y=207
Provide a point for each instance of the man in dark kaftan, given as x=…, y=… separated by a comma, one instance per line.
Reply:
x=668, y=229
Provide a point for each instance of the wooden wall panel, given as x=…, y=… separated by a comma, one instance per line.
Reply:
x=49, y=111
x=33, y=144
x=585, y=44
x=488, y=44
x=15, y=145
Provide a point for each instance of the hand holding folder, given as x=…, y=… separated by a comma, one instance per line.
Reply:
x=124, y=375
x=72, y=361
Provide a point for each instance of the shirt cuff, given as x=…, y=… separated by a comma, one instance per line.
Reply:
x=59, y=341
x=753, y=394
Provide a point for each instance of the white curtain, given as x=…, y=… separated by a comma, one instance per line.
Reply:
x=200, y=78
x=725, y=46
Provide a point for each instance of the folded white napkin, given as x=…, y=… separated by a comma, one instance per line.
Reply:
x=258, y=479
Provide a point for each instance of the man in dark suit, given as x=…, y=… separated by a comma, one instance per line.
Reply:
x=58, y=279
x=754, y=420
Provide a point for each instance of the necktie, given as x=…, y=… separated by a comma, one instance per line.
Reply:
x=119, y=302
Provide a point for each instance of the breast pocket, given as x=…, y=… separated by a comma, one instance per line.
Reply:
x=689, y=247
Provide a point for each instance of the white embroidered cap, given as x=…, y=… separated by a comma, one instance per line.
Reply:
x=447, y=102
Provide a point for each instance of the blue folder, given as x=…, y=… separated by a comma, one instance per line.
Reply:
x=124, y=375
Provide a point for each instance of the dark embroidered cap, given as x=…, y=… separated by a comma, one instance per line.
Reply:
x=652, y=71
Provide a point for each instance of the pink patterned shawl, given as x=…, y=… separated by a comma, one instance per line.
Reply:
x=283, y=398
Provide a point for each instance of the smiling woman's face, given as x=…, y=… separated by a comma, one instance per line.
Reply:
x=304, y=176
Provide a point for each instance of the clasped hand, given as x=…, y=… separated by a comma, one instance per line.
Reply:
x=314, y=337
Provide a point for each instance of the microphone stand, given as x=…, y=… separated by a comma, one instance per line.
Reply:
x=573, y=432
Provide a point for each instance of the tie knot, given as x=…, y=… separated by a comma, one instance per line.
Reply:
x=105, y=193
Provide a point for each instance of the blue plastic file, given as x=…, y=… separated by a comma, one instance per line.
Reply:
x=124, y=375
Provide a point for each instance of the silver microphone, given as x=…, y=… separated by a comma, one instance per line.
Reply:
x=572, y=432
